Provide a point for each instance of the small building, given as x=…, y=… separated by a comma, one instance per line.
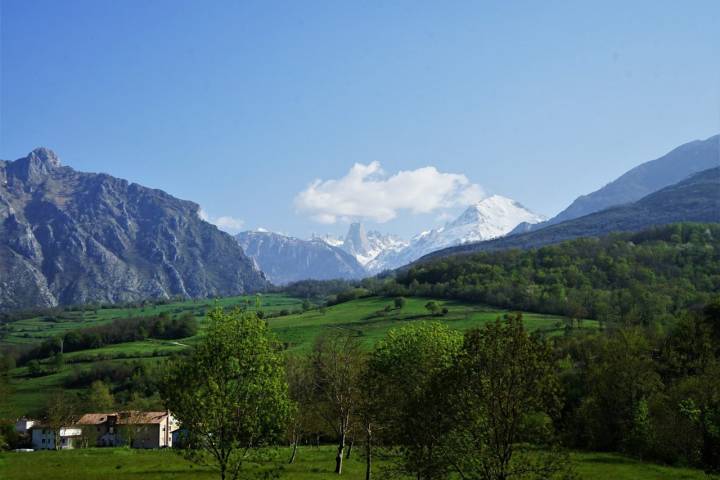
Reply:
x=137, y=429
x=43, y=437
x=23, y=425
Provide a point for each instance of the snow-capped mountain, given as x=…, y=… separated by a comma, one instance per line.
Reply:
x=493, y=217
x=366, y=246
x=284, y=259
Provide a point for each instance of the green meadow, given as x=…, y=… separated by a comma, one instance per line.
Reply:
x=39, y=328
x=311, y=464
x=368, y=318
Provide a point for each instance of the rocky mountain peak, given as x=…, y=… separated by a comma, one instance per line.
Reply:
x=35, y=166
x=356, y=240
x=45, y=157
x=69, y=237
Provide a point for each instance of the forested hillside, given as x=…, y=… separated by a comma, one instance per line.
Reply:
x=629, y=279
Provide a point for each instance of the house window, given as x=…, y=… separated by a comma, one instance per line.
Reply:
x=43, y=440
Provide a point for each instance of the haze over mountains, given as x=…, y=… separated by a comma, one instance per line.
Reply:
x=68, y=237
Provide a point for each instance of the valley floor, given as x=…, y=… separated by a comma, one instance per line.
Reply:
x=312, y=463
x=367, y=317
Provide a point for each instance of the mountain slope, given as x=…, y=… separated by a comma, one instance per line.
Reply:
x=68, y=237
x=493, y=217
x=695, y=199
x=287, y=259
x=642, y=180
x=367, y=246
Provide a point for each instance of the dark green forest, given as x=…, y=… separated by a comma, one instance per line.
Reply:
x=648, y=382
x=647, y=279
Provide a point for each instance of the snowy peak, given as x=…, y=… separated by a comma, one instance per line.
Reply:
x=492, y=217
x=366, y=246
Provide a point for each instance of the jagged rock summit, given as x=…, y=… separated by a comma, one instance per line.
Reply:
x=69, y=237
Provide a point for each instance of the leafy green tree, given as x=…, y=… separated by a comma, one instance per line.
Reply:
x=99, y=397
x=304, y=418
x=401, y=370
x=400, y=302
x=433, y=307
x=620, y=376
x=229, y=393
x=506, y=393
x=337, y=362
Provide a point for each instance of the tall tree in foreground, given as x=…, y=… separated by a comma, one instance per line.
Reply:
x=303, y=418
x=506, y=395
x=229, y=393
x=337, y=366
x=401, y=370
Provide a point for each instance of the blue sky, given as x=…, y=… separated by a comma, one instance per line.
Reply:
x=240, y=105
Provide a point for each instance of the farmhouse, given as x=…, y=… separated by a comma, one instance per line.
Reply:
x=43, y=437
x=137, y=429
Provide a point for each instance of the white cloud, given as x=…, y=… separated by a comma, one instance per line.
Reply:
x=224, y=222
x=365, y=192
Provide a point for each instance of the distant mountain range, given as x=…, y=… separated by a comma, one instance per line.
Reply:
x=627, y=203
x=68, y=237
x=368, y=247
x=642, y=180
x=493, y=217
x=286, y=259
x=695, y=199
x=361, y=253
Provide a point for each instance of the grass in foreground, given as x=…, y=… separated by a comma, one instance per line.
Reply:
x=312, y=464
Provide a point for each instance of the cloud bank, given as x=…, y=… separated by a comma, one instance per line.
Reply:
x=225, y=223
x=365, y=192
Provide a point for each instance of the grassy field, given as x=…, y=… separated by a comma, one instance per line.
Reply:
x=312, y=464
x=367, y=318
x=36, y=329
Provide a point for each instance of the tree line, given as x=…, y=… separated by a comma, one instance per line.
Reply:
x=122, y=330
x=646, y=279
x=493, y=403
